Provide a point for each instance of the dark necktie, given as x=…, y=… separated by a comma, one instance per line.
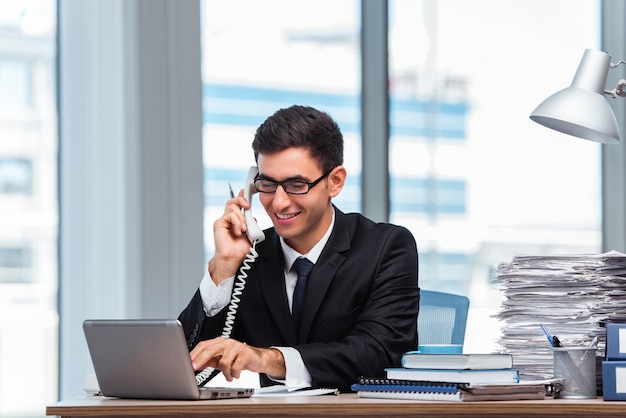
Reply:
x=303, y=268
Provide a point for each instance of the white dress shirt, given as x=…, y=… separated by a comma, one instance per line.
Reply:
x=215, y=298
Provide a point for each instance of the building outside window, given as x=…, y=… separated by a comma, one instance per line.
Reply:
x=28, y=208
x=310, y=58
x=471, y=175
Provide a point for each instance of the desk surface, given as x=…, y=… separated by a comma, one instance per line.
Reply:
x=343, y=405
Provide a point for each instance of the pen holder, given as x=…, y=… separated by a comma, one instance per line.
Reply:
x=577, y=367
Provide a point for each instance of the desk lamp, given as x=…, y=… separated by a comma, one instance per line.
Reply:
x=581, y=110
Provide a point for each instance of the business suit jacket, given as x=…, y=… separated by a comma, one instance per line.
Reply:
x=360, y=312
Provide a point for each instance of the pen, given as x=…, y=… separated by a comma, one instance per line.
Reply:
x=554, y=341
x=232, y=194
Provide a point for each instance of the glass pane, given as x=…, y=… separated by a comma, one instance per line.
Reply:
x=471, y=175
x=16, y=176
x=28, y=208
x=259, y=57
x=15, y=83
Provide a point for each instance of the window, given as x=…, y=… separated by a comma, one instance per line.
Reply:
x=16, y=265
x=300, y=55
x=16, y=177
x=28, y=208
x=472, y=177
x=15, y=83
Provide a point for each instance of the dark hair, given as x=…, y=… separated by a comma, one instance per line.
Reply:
x=301, y=126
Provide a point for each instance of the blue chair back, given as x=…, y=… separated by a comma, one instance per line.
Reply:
x=442, y=318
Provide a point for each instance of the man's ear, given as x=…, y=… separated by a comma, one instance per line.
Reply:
x=336, y=180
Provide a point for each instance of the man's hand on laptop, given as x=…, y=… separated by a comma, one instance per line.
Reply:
x=231, y=357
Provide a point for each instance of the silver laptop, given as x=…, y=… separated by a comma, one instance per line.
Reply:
x=147, y=359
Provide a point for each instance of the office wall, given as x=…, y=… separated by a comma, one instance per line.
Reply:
x=614, y=156
x=131, y=201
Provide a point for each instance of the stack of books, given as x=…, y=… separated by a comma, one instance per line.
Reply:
x=466, y=368
x=453, y=377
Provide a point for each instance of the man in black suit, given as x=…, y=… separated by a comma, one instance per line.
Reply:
x=359, y=314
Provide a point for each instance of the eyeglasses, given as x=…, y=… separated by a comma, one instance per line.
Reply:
x=263, y=185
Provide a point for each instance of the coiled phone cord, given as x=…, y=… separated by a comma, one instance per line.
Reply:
x=240, y=284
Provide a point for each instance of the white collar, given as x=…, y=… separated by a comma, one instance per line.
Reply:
x=291, y=255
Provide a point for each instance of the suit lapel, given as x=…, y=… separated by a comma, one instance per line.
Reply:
x=324, y=272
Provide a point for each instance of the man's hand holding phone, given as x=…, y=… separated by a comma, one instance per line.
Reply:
x=231, y=243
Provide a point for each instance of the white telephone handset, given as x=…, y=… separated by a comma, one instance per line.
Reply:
x=255, y=233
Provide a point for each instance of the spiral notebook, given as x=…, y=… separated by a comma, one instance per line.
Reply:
x=369, y=387
x=448, y=391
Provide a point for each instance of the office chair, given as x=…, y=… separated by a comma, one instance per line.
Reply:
x=442, y=318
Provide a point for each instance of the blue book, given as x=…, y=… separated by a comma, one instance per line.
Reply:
x=456, y=375
x=615, y=333
x=420, y=360
x=614, y=380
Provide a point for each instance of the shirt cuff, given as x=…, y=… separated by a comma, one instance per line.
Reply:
x=296, y=374
x=215, y=298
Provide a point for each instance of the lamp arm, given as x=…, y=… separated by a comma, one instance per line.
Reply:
x=617, y=63
x=620, y=90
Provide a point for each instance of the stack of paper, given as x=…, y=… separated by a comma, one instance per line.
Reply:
x=572, y=295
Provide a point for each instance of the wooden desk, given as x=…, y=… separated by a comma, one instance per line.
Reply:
x=344, y=405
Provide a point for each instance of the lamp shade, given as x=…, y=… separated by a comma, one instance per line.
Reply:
x=581, y=109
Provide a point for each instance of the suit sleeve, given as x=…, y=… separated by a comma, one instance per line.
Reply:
x=197, y=325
